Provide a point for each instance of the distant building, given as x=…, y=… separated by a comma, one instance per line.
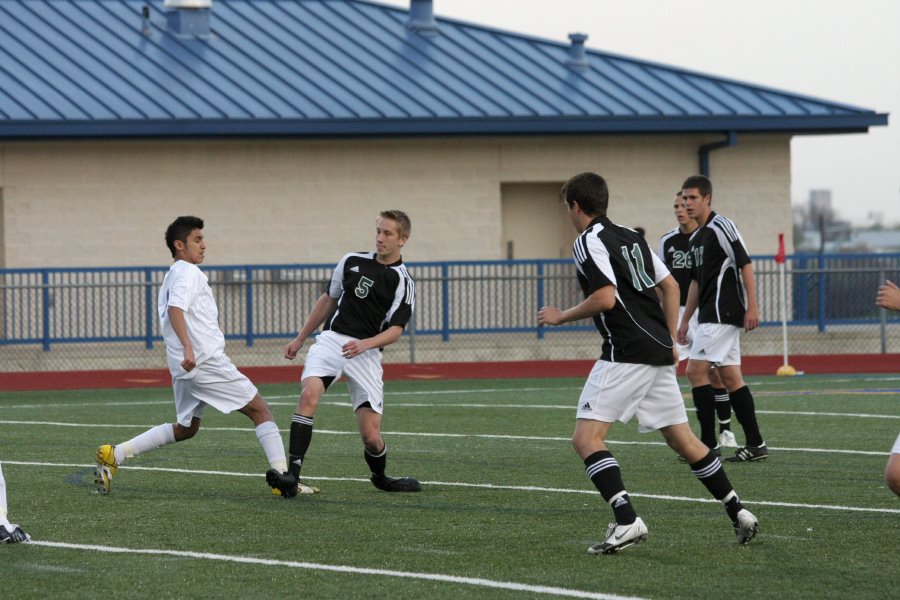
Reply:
x=288, y=125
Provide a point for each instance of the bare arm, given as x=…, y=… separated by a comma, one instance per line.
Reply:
x=323, y=307
x=751, y=317
x=888, y=296
x=600, y=301
x=179, y=326
x=385, y=338
x=693, y=299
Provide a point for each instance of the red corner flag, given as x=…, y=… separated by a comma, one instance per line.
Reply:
x=779, y=258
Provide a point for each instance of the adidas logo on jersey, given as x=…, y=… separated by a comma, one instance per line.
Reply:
x=354, y=269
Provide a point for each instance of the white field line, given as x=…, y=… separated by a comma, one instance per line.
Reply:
x=451, y=579
x=459, y=484
x=489, y=436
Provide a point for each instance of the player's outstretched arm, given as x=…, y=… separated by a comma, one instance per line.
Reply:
x=888, y=296
x=599, y=301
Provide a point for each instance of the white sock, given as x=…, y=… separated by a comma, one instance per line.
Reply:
x=149, y=440
x=273, y=446
x=3, y=520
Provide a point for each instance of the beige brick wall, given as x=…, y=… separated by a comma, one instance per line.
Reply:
x=107, y=203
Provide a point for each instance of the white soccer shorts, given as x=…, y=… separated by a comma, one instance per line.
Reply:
x=717, y=343
x=363, y=372
x=619, y=391
x=216, y=382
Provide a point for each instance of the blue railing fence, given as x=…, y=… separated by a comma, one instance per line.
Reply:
x=118, y=304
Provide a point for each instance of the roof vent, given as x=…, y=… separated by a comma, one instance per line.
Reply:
x=577, y=60
x=188, y=18
x=421, y=18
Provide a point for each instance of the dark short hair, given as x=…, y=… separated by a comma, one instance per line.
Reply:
x=180, y=229
x=700, y=182
x=590, y=191
x=404, y=226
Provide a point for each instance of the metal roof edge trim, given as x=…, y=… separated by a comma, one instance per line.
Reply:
x=471, y=126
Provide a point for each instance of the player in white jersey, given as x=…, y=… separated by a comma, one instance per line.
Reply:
x=202, y=374
x=10, y=533
x=889, y=297
x=635, y=375
x=368, y=303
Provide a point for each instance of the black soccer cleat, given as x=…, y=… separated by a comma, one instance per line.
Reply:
x=282, y=484
x=750, y=453
x=16, y=536
x=396, y=484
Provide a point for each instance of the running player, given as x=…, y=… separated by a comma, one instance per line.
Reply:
x=635, y=375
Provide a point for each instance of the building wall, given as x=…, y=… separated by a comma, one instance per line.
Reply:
x=107, y=202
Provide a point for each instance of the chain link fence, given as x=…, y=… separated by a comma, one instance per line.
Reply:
x=478, y=311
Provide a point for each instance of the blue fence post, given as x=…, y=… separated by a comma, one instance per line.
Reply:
x=445, y=302
x=249, y=277
x=45, y=297
x=540, y=295
x=150, y=309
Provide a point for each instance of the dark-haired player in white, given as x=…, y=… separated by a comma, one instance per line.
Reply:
x=635, y=375
x=675, y=251
x=723, y=290
x=368, y=303
x=10, y=533
x=202, y=374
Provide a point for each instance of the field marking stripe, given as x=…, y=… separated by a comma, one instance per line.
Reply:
x=490, y=436
x=486, y=486
x=473, y=581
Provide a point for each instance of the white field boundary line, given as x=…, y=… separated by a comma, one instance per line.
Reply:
x=451, y=579
x=398, y=405
x=489, y=436
x=486, y=486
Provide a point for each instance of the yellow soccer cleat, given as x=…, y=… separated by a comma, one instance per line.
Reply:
x=106, y=468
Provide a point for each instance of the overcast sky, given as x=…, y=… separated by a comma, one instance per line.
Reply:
x=843, y=51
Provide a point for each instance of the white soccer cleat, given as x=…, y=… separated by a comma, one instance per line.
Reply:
x=746, y=526
x=727, y=439
x=621, y=536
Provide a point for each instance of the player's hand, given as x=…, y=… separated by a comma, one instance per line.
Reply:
x=681, y=335
x=354, y=348
x=751, y=319
x=888, y=296
x=290, y=350
x=549, y=315
x=189, y=362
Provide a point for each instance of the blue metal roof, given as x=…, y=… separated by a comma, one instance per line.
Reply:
x=84, y=68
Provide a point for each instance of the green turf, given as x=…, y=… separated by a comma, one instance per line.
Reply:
x=829, y=526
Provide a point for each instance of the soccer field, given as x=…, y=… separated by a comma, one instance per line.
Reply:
x=506, y=510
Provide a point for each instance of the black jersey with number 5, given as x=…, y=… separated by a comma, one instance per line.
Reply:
x=371, y=296
x=634, y=330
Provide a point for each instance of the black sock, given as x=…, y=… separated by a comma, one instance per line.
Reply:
x=711, y=474
x=603, y=470
x=377, y=462
x=723, y=409
x=744, y=410
x=705, y=401
x=301, y=436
